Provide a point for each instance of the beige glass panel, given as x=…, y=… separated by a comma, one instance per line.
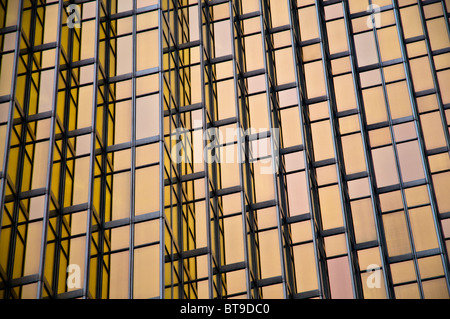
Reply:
x=269, y=251
x=423, y=228
x=32, y=248
x=291, y=129
x=437, y=31
x=410, y=160
x=267, y=218
x=147, y=190
x=399, y=102
x=146, y=272
x=305, y=268
x=118, y=280
x=147, y=116
x=87, y=39
x=225, y=99
x=433, y=132
x=279, y=11
x=250, y=6
x=444, y=85
x=337, y=36
x=322, y=140
x=12, y=13
x=421, y=74
x=222, y=39
x=374, y=105
x=77, y=257
x=427, y=103
x=330, y=207
x=301, y=232
x=363, y=221
x=273, y=292
x=431, y=267
x=81, y=179
x=389, y=44
x=371, y=292
x=315, y=81
x=410, y=17
x=370, y=78
x=236, y=282
x=120, y=237
x=403, y=272
x=294, y=161
x=78, y=223
x=340, y=280
x=394, y=72
x=124, y=55
x=326, y=175
x=380, y=137
x=344, y=91
x=122, y=160
x=40, y=166
x=349, y=124
x=333, y=11
x=410, y=291
x=391, y=201
x=308, y=23
x=147, y=50
x=396, y=234
x=369, y=257
x=416, y=49
x=439, y=162
x=122, y=128
x=385, y=167
x=311, y=52
x=405, y=131
x=366, y=50
x=121, y=196
x=254, y=52
x=297, y=194
x=146, y=232
x=263, y=171
x=284, y=66
x=335, y=245
x=435, y=289
x=353, y=154
x=229, y=167
x=84, y=114
x=416, y=196
x=358, y=188
x=341, y=65
x=358, y=5
x=46, y=91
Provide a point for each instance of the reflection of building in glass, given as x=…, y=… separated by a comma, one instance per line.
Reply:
x=358, y=206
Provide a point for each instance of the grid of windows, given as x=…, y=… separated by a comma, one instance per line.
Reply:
x=224, y=149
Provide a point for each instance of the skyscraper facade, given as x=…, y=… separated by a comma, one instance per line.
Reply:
x=224, y=149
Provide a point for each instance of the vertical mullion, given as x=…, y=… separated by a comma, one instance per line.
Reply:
x=340, y=167
x=162, y=225
x=45, y=222
x=321, y=273
x=367, y=154
x=205, y=125
x=92, y=163
x=133, y=153
x=241, y=142
x=273, y=123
